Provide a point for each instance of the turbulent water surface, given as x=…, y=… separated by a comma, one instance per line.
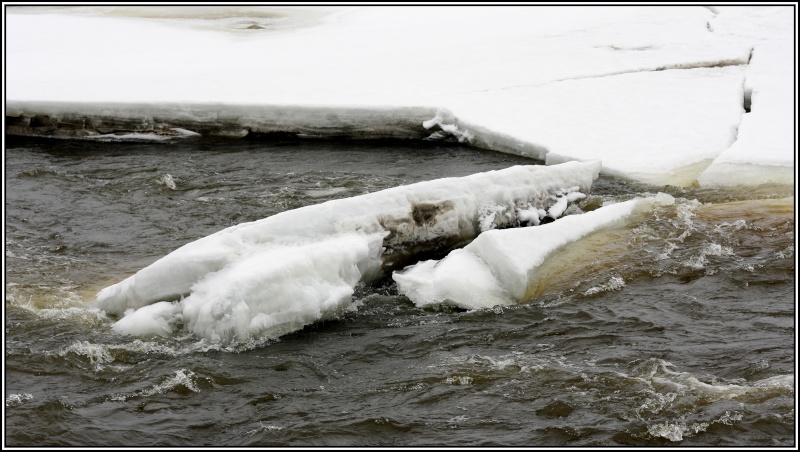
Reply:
x=677, y=330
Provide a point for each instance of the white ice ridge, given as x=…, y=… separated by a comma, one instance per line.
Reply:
x=656, y=93
x=316, y=254
x=499, y=266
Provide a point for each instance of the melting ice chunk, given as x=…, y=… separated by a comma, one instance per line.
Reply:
x=276, y=275
x=498, y=266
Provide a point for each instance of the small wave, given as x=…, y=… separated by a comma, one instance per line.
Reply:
x=412, y=387
x=17, y=399
x=59, y=304
x=777, y=381
x=140, y=346
x=118, y=357
x=12, y=255
x=182, y=377
x=167, y=180
x=262, y=427
x=98, y=355
x=458, y=419
x=677, y=431
x=787, y=253
x=657, y=402
x=123, y=356
x=81, y=316
x=459, y=380
x=710, y=249
x=615, y=283
x=34, y=173
x=686, y=214
x=519, y=361
x=497, y=363
x=690, y=405
x=661, y=375
x=672, y=225
x=322, y=193
x=727, y=227
x=183, y=380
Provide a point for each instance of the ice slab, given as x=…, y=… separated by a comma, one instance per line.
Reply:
x=499, y=267
x=657, y=127
x=764, y=151
x=275, y=293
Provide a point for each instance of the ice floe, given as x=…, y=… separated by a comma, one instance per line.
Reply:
x=500, y=266
x=275, y=275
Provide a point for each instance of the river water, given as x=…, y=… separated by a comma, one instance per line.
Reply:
x=678, y=330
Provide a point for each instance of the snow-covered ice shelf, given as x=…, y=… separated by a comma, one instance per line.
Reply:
x=658, y=94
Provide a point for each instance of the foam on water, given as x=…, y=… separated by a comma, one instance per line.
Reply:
x=710, y=249
x=518, y=363
x=321, y=193
x=167, y=180
x=55, y=303
x=662, y=377
x=697, y=236
x=461, y=380
x=13, y=400
x=662, y=401
x=119, y=358
x=97, y=354
x=183, y=380
x=677, y=431
x=262, y=427
x=684, y=396
x=615, y=283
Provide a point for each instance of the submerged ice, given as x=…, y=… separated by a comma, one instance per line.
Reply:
x=273, y=276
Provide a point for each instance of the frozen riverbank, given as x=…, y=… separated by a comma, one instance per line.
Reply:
x=660, y=95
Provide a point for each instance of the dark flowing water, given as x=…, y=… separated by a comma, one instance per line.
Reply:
x=679, y=330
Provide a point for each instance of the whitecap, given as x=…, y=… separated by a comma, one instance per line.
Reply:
x=167, y=180
x=13, y=400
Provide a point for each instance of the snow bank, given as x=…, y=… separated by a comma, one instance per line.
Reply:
x=274, y=275
x=390, y=56
x=499, y=267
